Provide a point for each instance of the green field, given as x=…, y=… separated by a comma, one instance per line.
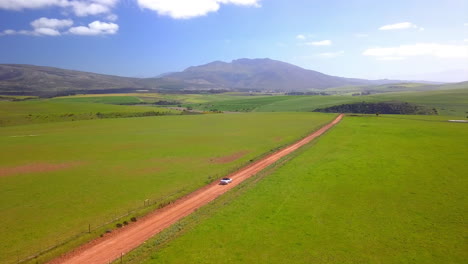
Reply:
x=47, y=111
x=57, y=178
x=388, y=189
x=447, y=102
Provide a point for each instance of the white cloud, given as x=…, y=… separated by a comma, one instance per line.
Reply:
x=42, y=27
x=95, y=28
x=51, y=26
x=185, y=9
x=46, y=32
x=420, y=49
x=301, y=37
x=35, y=32
x=399, y=26
x=466, y=24
x=79, y=7
x=52, y=23
x=465, y=40
x=330, y=55
x=7, y=32
x=320, y=43
x=23, y=4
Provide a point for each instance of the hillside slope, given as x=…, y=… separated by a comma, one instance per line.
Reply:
x=39, y=80
x=262, y=74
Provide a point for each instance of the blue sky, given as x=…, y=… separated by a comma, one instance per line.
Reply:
x=412, y=39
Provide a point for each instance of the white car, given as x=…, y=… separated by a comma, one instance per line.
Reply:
x=225, y=181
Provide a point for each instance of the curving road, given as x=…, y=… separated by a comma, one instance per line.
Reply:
x=110, y=247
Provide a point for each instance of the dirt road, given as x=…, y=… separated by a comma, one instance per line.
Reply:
x=109, y=248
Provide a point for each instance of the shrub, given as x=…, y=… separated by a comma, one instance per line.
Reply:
x=125, y=222
x=133, y=219
x=119, y=225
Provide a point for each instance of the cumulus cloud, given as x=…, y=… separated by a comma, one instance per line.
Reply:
x=95, y=28
x=51, y=26
x=79, y=7
x=320, y=43
x=330, y=55
x=42, y=27
x=52, y=23
x=419, y=49
x=35, y=32
x=47, y=31
x=400, y=26
x=185, y=9
x=23, y=4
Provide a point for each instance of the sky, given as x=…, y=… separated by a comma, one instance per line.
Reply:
x=398, y=39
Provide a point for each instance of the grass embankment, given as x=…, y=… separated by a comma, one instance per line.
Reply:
x=57, y=178
x=373, y=190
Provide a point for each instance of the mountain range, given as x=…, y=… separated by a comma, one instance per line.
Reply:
x=238, y=75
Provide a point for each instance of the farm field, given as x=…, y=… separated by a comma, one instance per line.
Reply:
x=389, y=189
x=56, y=179
x=51, y=110
x=447, y=102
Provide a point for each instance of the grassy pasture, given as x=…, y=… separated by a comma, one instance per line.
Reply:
x=119, y=99
x=447, y=102
x=388, y=189
x=46, y=111
x=57, y=178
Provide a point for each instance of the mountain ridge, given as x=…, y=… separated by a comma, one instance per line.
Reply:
x=238, y=75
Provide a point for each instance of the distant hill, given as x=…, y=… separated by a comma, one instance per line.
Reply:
x=242, y=74
x=261, y=74
x=39, y=80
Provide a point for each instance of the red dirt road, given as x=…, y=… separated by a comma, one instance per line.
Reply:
x=108, y=248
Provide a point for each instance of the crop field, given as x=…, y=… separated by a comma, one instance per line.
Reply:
x=58, y=178
x=389, y=189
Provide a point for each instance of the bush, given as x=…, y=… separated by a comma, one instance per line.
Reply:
x=125, y=222
x=133, y=219
x=119, y=225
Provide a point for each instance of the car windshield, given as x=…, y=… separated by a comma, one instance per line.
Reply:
x=226, y=179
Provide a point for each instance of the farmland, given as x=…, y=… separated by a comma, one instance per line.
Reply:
x=447, y=102
x=388, y=189
x=58, y=178
x=47, y=111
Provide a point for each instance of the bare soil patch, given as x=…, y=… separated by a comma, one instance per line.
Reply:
x=37, y=167
x=230, y=158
